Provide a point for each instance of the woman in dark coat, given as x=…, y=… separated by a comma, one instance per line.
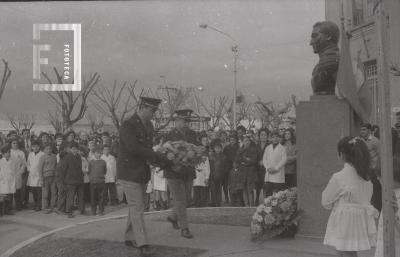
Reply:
x=244, y=174
x=289, y=142
x=262, y=144
x=230, y=152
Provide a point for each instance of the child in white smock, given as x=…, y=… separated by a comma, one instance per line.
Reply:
x=351, y=226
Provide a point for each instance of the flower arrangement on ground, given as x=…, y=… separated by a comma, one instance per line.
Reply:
x=277, y=215
x=182, y=153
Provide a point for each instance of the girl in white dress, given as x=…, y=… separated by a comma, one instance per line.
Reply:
x=351, y=226
x=7, y=178
x=20, y=159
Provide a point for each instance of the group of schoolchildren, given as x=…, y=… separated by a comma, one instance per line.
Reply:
x=58, y=175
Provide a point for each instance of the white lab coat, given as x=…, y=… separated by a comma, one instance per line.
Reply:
x=34, y=177
x=111, y=168
x=159, y=181
x=20, y=162
x=202, y=174
x=7, y=176
x=275, y=158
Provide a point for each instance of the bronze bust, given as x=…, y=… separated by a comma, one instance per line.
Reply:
x=324, y=41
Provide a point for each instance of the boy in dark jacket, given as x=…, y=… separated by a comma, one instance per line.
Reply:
x=48, y=165
x=59, y=179
x=97, y=172
x=219, y=172
x=71, y=173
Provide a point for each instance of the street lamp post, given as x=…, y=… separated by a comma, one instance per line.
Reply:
x=235, y=51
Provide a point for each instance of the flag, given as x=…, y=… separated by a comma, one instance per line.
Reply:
x=363, y=87
x=346, y=82
x=359, y=71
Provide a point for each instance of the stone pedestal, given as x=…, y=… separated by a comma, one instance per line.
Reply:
x=321, y=122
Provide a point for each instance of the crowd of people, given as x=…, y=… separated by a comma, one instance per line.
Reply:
x=235, y=169
x=59, y=171
x=233, y=173
x=71, y=170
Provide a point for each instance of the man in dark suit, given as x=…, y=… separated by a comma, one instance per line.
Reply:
x=71, y=174
x=133, y=170
x=180, y=182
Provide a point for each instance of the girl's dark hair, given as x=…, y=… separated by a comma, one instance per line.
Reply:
x=263, y=130
x=355, y=152
x=20, y=144
x=292, y=138
x=375, y=131
x=202, y=134
x=5, y=148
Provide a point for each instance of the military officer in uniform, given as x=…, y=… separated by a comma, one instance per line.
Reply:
x=180, y=182
x=133, y=171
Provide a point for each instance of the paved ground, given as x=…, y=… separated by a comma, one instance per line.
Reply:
x=218, y=240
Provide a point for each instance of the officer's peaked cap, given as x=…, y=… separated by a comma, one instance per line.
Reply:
x=184, y=113
x=150, y=102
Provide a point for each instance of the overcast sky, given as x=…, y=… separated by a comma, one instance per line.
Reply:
x=145, y=39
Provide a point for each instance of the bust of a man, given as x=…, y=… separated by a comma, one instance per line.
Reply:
x=324, y=41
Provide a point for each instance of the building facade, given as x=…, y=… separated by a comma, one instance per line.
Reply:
x=360, y=23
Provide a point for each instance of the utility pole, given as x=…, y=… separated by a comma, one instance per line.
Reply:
x=235, y=51
x=235, y=57
x=386, y=154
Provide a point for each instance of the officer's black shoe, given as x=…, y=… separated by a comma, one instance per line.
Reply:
x=145, y=251
x=186, y=233
x=173, y=222
x=131, y=243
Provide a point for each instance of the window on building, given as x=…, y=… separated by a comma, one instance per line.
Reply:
x=369, y=11
x=371, y=80
x=362, y=11
x=358, y=12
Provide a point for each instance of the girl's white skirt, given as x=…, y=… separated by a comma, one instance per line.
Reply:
x=351, y=227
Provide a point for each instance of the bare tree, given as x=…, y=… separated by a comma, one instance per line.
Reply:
x=227, y=117
x=243, y=112
x=216, y=110
x=95, y=120
x=72, y=103
x=248, y=112
x=272, y=115
x=6, y=76
x=112, y=104
x=21, y=121
x=55, y=120
x=173, y=99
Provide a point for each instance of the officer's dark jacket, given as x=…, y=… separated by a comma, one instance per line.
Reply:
x=189, y=136
x=70, y=169
x=135, y=150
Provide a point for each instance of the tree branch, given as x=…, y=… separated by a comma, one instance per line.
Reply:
x=6, y=76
